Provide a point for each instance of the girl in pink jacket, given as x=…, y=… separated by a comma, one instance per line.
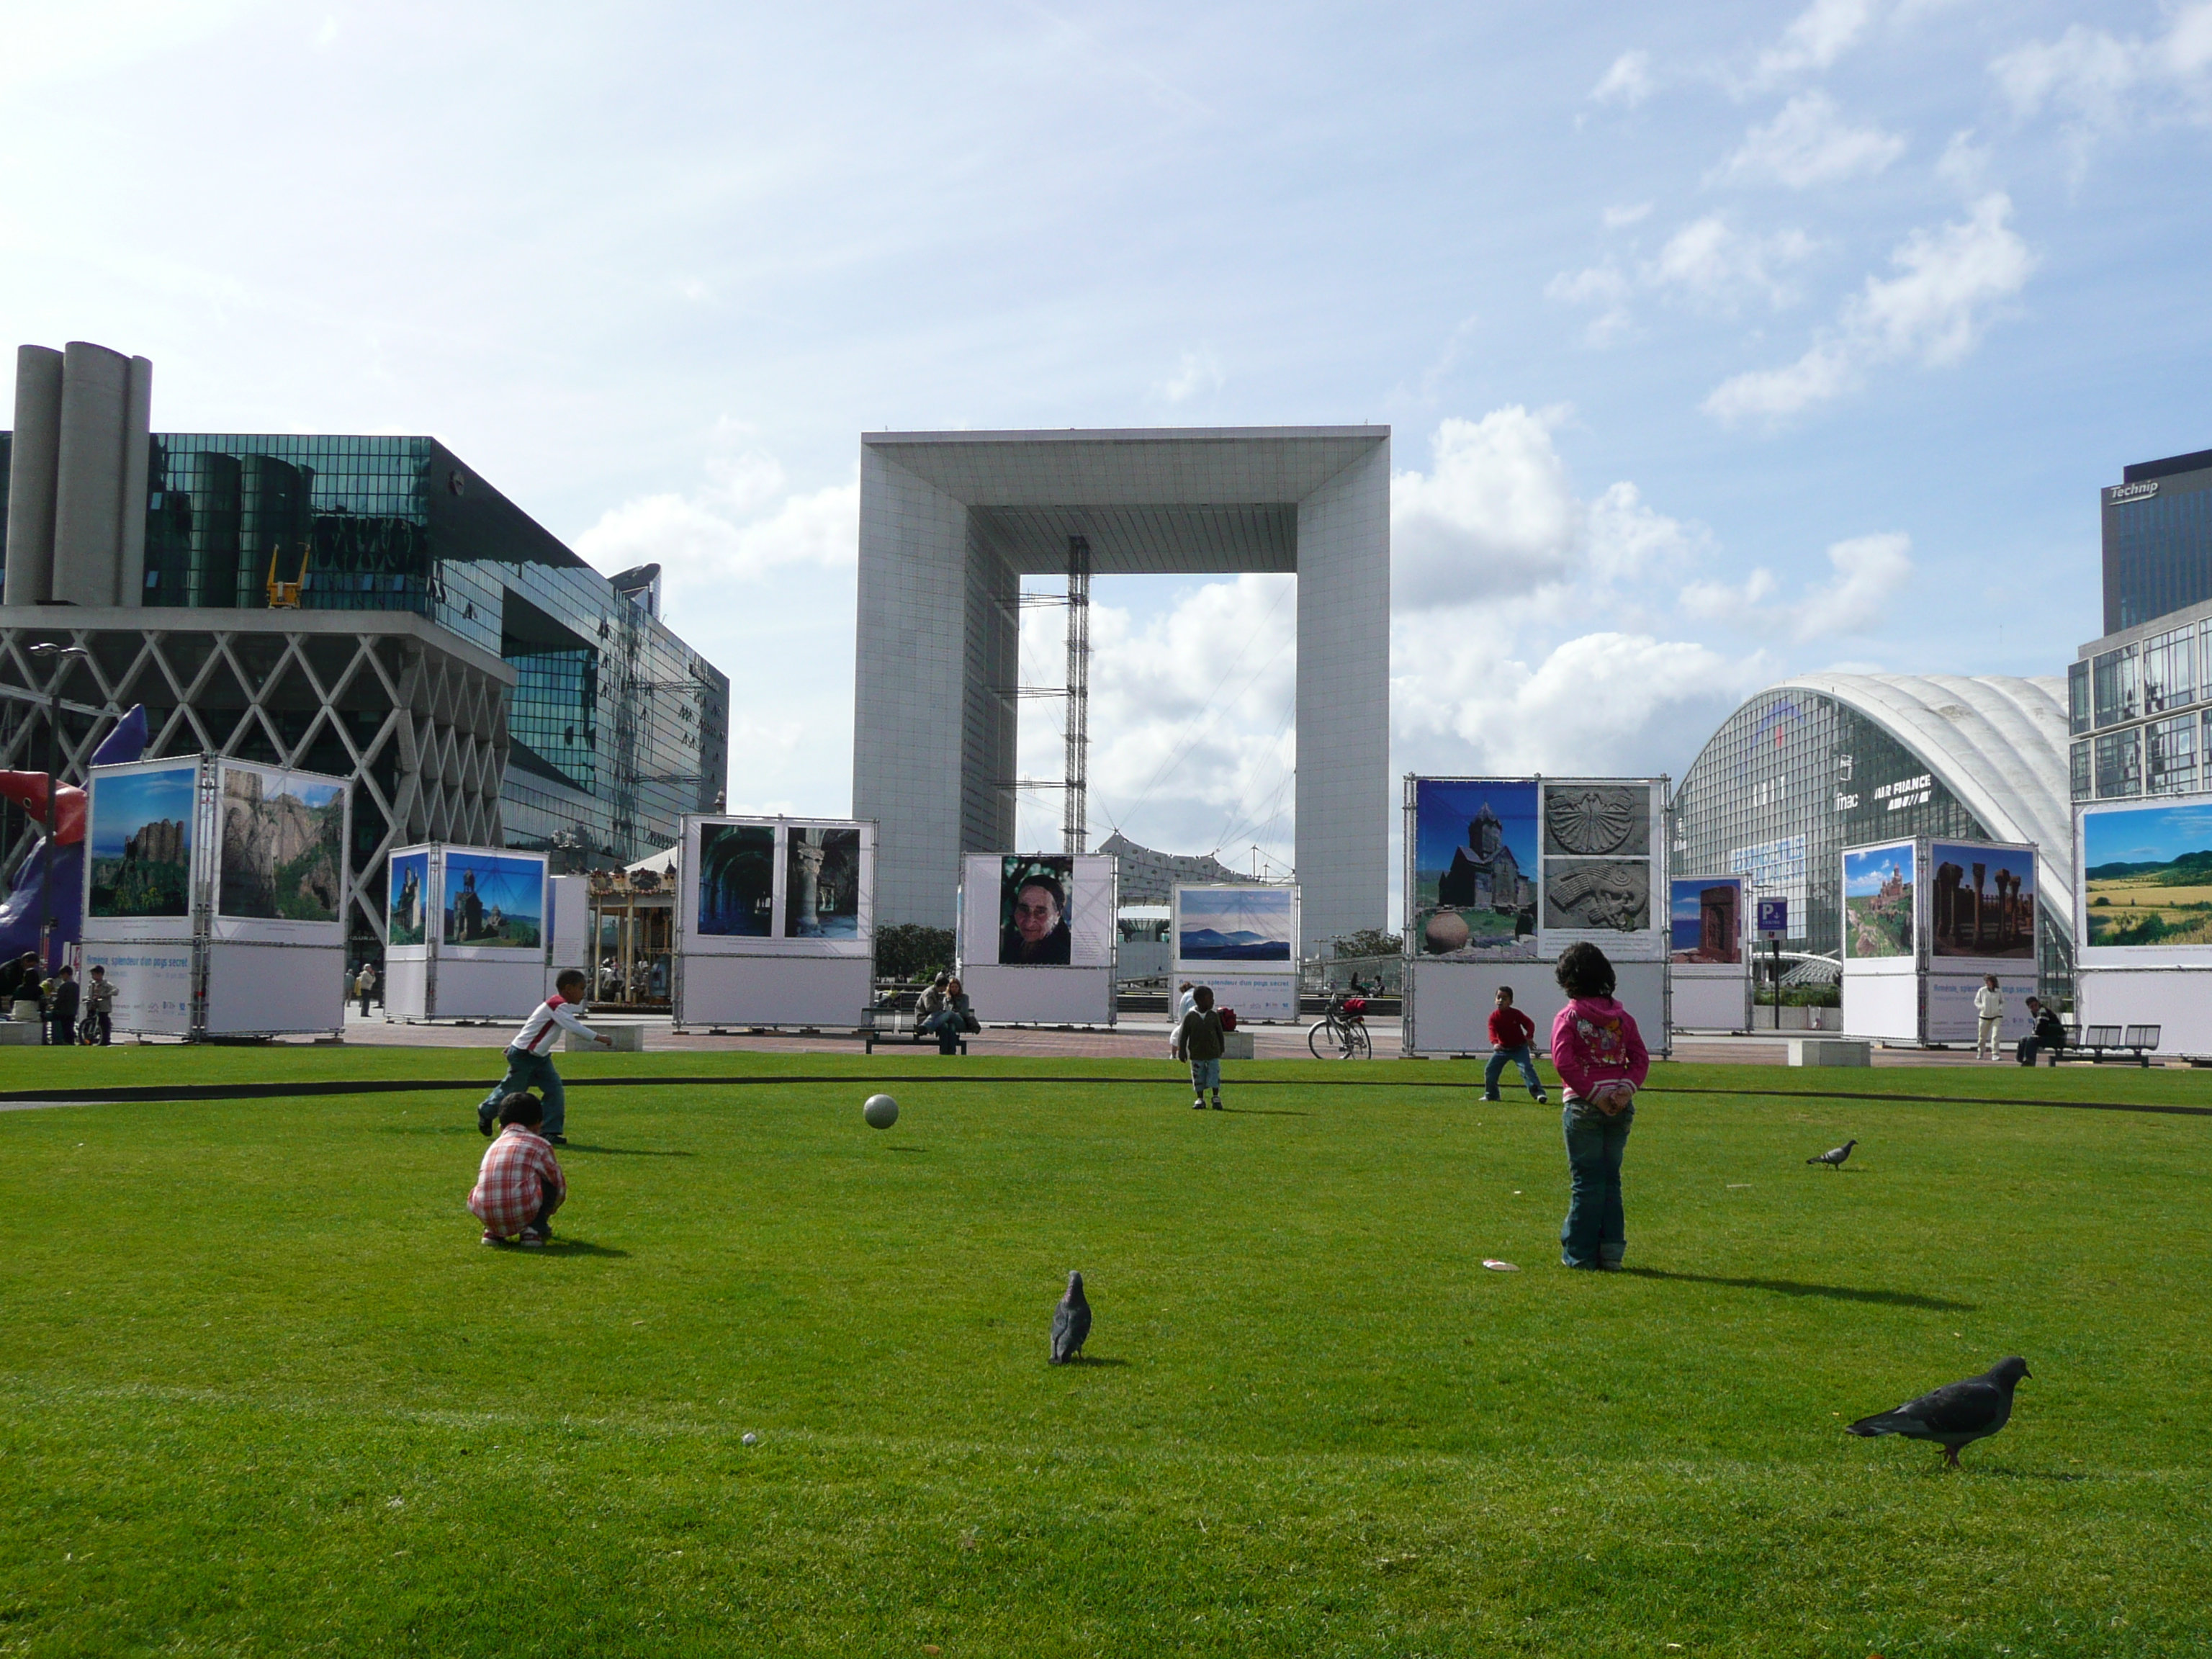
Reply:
x=1601, y=1059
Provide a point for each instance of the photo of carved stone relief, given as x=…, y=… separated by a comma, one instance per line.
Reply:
x=1590, y=820
x=1597, y=894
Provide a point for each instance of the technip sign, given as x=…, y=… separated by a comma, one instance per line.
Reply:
x=2120, y=495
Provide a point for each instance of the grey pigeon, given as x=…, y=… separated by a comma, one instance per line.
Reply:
x=1957, y=1414
x=1834, y=1157
x=1071, y=1322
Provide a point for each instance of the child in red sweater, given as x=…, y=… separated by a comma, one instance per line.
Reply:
x=1602, y=1063
x=1511, y=1031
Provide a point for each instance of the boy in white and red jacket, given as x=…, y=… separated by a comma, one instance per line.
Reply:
x=530, y=1058
x=1601, y=1062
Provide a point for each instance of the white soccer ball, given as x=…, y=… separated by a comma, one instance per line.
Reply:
x=881, y=1111
x=752, y=1440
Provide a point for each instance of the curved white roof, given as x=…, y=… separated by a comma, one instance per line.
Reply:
x=1997, y=741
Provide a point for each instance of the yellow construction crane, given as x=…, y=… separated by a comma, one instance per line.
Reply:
x=283, y=595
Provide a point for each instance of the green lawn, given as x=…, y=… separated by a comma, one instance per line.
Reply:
x=261, y=1391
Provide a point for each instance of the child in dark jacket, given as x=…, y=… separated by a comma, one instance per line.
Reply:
x=1601, y=1062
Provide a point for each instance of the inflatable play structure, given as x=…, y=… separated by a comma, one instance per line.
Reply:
x=22, y=912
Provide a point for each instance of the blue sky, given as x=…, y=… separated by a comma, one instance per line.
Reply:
x=2145, y=833
x=1867, y=868
x=127, y=804
x=1966, y=856
x=1719, y=343
x=516, y=886
x=1265, y=912
x=1445, y=810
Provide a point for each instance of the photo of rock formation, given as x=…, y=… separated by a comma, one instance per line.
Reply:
x=283, y=846
x=140, y=842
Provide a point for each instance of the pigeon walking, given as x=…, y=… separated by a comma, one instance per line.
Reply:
x=1957, y=1414
x=1071, y=1322
x=1834, y=1157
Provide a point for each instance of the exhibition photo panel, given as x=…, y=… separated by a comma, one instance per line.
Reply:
x=733, y=890
x=1705, y=922
x=281, y=854
x=1981, y=904
x=493, y=903
x=2143, y=887
x=407, y=902
x=139, y=845
x=1600, y=859
x=777, y=887
x=1880, y=891
x=1472, y=892
x=1035, y=922
x=1250, y=928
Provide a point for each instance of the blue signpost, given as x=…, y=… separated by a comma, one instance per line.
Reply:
x=1773, y=923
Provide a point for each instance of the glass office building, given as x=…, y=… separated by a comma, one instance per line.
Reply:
x=2158, y=540
x=1810, y=766
x=616, y=727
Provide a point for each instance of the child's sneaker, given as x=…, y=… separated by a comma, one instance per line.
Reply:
x=531, y=1239
x=490, y=1237
x=1198, y=1105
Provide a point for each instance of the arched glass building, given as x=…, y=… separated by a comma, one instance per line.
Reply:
x=1823, y=762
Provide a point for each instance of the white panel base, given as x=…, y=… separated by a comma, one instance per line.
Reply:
x=1041, y=996
x=1884, y=1006
x=489, y=990
x=406, y=985
x=1951, y=1016
x=719, y=990
x=1254, y=996
x=1452, y=1002
x=253, y=990
x=1705, y=1000
x=153, y=984
x=2180, y=999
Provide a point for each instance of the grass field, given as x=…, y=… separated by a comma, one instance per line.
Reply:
x=265, y=1394
x=2136, y=909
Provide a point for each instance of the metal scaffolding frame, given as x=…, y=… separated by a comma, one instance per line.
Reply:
x=414, y=716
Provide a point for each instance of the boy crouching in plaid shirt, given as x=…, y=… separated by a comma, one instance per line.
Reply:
x=520, y=1184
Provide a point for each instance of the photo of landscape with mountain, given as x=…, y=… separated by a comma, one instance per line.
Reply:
x=140, y=844
x=283, y=845
x=1233, y=924
x=2146, y=875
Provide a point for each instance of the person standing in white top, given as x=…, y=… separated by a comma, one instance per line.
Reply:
x=530, y=1058
x=1988, y=1010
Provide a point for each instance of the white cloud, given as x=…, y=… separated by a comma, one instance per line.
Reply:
x=1810, y=143
x=1714, y=264
x=1965, y=164
x=1818, y=36
x=1606, y=286
x=726, y=530
x=1948, y=284
x=1627, y=81
x=1617, y=218
x=1496, y=517
x=1605, y=702
x=1200, y=372
x=2099, y=81
x=1870, y=572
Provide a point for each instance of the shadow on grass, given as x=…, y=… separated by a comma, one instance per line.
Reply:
x=1831, y=1292
x=1085, y=1362
x=557, y=1247
x=1261, y=1111
x=626, y=1152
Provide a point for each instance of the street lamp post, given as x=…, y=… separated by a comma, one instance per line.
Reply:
x=59, y=656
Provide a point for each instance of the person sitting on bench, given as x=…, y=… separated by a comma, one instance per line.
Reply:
x=2050, y=1035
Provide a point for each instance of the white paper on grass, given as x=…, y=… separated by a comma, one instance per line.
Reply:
x=121, y=802
x=693, y=938
x=310, y=792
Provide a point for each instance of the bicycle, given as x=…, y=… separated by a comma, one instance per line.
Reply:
x=1341, y=1031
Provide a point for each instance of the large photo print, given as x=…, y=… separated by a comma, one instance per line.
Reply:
x=1878, y=888
x=1705, y=920
x=822, y=886
x=1475, y=868
x=1598, y=895
x=737, y=881
x=283, y=846
x=1033, y=910
x=1981, y=902
x=493, y=901
x=2146, y=875
x=1250, y=926
x=1598, y=820
x=407, y=917
x=139, y=847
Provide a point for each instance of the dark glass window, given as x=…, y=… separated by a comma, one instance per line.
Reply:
x=2115, y=676
x=2170, y=755
x=2169, y=664
x=2119, y=763
x=2077, y=762
x=2077, y=697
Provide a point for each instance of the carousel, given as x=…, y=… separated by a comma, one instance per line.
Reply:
x=632, y=928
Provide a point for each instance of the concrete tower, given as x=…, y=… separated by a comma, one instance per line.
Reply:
x=76, y=480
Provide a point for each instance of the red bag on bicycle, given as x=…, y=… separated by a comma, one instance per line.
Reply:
x=1354, y=1007
x=1228, y=1019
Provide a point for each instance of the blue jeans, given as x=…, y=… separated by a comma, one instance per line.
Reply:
x=526, y=1071
x=1595, y=1233
x=1495, y=1069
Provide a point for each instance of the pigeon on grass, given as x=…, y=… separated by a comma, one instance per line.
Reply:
x=1957, y=1414
x=1834, y=1157
x=1071, y=1322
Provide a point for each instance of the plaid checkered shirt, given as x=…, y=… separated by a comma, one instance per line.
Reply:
x=511, y=1183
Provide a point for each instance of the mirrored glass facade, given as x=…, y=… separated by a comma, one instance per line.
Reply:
x=1789, y=780
x=616, y=727
x=2158, y=540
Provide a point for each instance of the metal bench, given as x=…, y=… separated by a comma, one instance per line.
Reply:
x=2122, y=1042
x=886, y=1021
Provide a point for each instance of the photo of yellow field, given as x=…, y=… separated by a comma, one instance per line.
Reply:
x=2147, y=876
x=2121, y=909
